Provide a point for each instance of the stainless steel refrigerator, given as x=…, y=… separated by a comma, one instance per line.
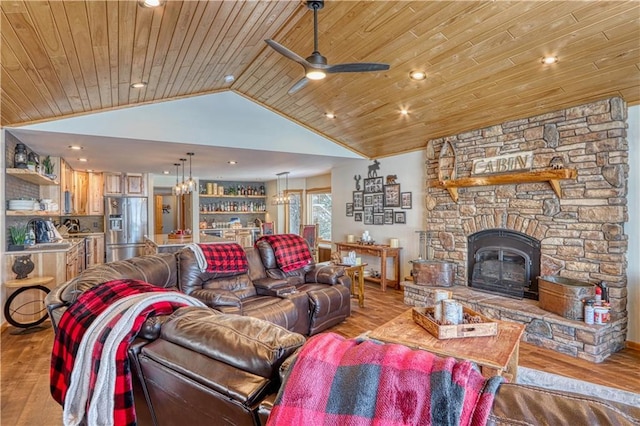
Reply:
x=125, y=227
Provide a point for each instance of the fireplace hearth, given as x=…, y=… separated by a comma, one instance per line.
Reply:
x=504, y=262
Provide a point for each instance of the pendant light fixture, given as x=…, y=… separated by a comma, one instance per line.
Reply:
x=282, y=197
x=183, y=185
x=177, y=190
x=190, y=183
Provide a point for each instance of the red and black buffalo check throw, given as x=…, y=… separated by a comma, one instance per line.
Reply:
x=75, y=322
x=225, y=257
x=353, y=382
x=291, y=251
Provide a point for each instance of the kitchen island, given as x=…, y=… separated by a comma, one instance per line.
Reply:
x=161, y=243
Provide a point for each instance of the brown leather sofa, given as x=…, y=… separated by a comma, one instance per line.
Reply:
x=200, y=366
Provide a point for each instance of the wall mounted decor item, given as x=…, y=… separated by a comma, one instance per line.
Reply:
x=447, y=163
x=388, y=216
x=368, y=200
x=358, y=202
x=357, y=216
x=392, y=195
x=373, y=169
x=391, y=179
x=372, y=185
x=405, y=200
x=378, y=203
x=400, y=217
x=357, y=178
x=378, y=219
x=368, y=215
x=349, y=209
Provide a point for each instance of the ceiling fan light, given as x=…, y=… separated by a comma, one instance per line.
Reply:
x=316, y=74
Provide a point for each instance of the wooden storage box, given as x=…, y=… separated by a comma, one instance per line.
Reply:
x=433, y=273
x=485, y=328
x=564, y=296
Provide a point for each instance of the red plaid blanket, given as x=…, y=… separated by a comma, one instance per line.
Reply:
x=224, y=257
x=73, y=325
x=291, y=251
x=349, y=382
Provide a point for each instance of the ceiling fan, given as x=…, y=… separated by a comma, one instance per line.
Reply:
x=316, y=66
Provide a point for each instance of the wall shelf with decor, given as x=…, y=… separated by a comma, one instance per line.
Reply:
x=32, y=177
x=553, y=176
x=232, y=199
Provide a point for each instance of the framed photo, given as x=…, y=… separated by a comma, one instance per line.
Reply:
x=405, y=200
x=368, y=200
x=378, y=219
x=378, y=203
x=400, y=217
x=372, y=185
x=368, y=215
x=357, y=216
x=388, y=216
x=392, y=195
x=349, y=209
x=358, y=202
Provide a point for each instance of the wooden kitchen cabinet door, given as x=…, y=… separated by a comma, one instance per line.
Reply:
x=80, y=194
x=95, y=202
x=134, y=184
x=112, y=183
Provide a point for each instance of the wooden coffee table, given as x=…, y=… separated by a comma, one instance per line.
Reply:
x=495, y=355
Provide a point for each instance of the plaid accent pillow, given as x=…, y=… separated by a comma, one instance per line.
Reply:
x=291, y=251
x=225, y=257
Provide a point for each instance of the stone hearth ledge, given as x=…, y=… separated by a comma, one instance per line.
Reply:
x=542, y=328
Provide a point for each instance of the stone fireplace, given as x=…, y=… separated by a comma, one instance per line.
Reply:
x=580, y=234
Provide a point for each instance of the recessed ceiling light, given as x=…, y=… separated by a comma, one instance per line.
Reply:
x=150, y=3
x=417, y=75
x=548, y=60
x=404, y=111
x=82, y=160
x=232, y=162
x=165, y=172
x=75, y=147
x=329, y=115
x=229, y=78
x=139, y=85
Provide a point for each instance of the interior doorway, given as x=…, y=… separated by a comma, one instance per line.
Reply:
x=165, y=209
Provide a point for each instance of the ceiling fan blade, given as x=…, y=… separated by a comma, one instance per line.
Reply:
x=288, y=53
x=357, y=67
x=299, y=85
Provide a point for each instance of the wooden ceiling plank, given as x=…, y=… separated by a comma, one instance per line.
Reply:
x=68, y=45
x=170, y=17
x=154, y=35
x=19, y=32
x=21, y=95
x=141, y=42
x=11, y=112
x=112, y=17
x=76, y=15
x=127, y=12
x=99, y=35
x=48, y=33
x=172, y=56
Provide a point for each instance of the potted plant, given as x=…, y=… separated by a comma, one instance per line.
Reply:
x=18, y=237
x=48, y=167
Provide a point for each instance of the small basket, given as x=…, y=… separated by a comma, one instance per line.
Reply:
x=485, y=328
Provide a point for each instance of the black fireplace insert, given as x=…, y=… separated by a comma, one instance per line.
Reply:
x=504, y=262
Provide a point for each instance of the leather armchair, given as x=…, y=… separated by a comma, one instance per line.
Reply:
x=235, y=293
x=327, y=288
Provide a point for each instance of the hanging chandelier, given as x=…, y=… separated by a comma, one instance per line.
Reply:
x=177, y=190
x=281, y=197
x=183, y=184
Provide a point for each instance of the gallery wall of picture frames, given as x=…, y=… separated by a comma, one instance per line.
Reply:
x=378, y=200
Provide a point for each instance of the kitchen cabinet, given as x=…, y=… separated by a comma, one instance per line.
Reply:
x=79, y=191
x=66, y=187
x=95, y=197
x=94, y=247
x=75, y=259
x=133, y=184
x=87, y=193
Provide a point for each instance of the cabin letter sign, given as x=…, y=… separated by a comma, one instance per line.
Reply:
x=521, y=161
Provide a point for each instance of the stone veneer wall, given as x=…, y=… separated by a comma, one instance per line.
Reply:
x=582, y=233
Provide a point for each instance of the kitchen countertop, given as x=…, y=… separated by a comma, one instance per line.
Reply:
x=63, y=245
x=163, y=240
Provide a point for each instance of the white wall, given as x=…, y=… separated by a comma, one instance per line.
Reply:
x=409, y=168
x=633, y=226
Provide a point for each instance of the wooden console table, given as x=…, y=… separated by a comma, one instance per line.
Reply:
x=383, y=252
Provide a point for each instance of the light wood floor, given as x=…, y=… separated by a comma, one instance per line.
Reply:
x=25, y=398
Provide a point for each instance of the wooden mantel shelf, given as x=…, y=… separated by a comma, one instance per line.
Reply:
x=551, y=176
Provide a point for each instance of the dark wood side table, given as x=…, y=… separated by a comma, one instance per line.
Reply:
x=384, y=252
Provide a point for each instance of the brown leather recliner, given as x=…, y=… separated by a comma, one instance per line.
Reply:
x=235, y=293
x=209, y=368
x=327, y=287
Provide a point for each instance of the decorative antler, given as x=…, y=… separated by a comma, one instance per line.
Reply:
x=357, y=179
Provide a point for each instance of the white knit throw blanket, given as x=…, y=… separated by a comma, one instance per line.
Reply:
x=100, y=411
x=202, y=261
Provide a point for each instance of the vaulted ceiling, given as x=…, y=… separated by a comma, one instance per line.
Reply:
x=482, y=59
